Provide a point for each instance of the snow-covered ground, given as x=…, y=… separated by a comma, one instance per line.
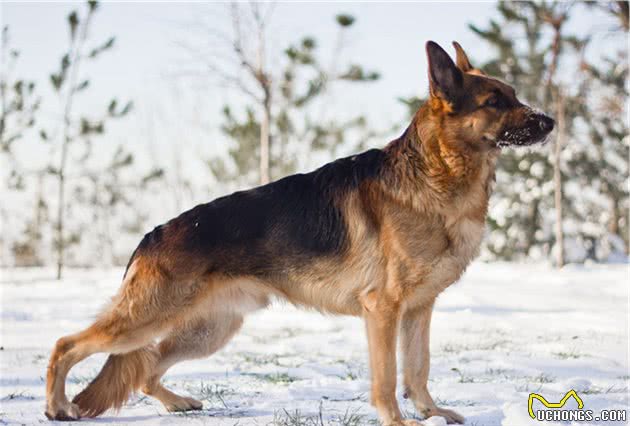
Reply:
x=504, y=331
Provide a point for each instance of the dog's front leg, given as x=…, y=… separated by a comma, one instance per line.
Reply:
x=382, y=321
x=414, y=329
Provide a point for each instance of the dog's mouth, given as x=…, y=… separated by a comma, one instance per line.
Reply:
x=520, y=137
x=535, y=131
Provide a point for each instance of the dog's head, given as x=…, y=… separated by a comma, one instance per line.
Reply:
x=478, y=110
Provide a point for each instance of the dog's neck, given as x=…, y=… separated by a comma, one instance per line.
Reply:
x=430, y=162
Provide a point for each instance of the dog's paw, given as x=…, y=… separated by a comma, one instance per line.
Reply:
x=63, y=412
x=184, y=403
x=450, y=416
x=406, y=422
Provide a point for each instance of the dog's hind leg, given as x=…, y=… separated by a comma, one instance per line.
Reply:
x=113, y=334
x=197, y=339
x=68, y=351
x=128, y=328
x=414, y=342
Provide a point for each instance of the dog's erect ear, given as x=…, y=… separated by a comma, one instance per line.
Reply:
x=445, y=79
x=462, y=59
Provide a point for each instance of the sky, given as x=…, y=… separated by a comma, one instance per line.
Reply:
x=387, y=36
x=174, y=111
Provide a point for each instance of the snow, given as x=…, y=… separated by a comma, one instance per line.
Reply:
x=504, y=331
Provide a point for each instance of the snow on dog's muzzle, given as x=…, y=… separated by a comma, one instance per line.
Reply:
x=535, y=129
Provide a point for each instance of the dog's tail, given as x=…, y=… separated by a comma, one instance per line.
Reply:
x=120, y=377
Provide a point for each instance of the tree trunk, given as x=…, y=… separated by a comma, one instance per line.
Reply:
x=60, y=231
x=264, y=144
x=532, y=226
x=265, y=84
x=557, y=177
x=72, y=84
x=61, y=179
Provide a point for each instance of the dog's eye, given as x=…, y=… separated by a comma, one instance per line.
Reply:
x=493, y=101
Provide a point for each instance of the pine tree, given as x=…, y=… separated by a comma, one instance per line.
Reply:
x=602, y=164
x=531, y=44
x=19, y=102
x=68, y=83
x=111, y=193
x=588, y=159
x=285, y=122
x=19, y=106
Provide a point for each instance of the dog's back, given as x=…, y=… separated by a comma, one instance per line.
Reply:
x=265, y=231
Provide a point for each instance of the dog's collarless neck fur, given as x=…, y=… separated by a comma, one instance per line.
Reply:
x=428, y=164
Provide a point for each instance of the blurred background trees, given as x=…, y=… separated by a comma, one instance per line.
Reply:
x=19, y=103
x=552, y=201
x=68, y=83
x=74, y=183
x=93, y=196
x=18, y=100
x=530, y=45
x=285, y=123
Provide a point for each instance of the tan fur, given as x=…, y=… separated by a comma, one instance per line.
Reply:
x=197, y=339
x=120, y=376
x=414, y=345
x=411, y=234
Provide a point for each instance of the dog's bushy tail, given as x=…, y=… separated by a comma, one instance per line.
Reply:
x=120, y=377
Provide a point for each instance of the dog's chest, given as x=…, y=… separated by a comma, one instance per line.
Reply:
x=433, y=239
x=437, y=258
x=431, y=251
x=465, y=236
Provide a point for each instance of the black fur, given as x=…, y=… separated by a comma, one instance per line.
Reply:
x=265, y=230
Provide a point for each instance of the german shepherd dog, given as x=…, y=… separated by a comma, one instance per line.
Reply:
x=377, y=235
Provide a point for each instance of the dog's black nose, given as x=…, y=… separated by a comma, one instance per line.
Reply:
x=546, y=123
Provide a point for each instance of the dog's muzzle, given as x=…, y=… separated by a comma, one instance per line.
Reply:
x=535, y=130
